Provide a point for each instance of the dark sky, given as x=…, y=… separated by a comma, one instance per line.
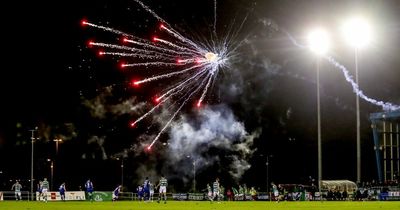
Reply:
x=49, y=73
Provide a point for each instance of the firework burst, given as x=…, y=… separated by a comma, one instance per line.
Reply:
x=193, y=66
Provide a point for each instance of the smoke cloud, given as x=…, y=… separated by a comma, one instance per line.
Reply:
x=99, y=106
x=98, y=143
x=214, y=127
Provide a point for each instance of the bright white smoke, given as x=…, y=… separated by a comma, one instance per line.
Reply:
x=214, y=127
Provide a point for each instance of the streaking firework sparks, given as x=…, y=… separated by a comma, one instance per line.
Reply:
x=195, y=66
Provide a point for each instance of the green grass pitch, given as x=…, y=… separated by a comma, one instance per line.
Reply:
x=203, y=205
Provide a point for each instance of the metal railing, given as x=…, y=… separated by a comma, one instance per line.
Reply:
x=10, y=195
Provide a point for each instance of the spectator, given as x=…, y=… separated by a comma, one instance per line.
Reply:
x=229, y=194
x=253, y=193
x=344, y=195
x=235, y=193
x=313, y=189
x=241, y=193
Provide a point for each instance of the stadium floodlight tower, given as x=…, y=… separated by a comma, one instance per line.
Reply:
x=357, y=33
x=318, y=42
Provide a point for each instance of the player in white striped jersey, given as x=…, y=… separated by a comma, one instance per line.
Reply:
x=216, y=189
x=163, y=189
x=17, y=187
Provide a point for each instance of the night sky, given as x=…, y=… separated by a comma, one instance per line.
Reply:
x=52, y=80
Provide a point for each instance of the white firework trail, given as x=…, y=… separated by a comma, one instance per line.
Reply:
x=192, y=66
x=386, y=106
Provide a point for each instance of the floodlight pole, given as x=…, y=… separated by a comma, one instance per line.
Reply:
x=319, y=45
x=319, y=131
x=53, y=163
x=32, y=141
x=51, y=174
x=358, y=121
x=194, y=176
x=122, y=171
x=267, y=164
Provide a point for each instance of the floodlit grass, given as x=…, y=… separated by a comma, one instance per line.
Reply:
x=203, y=205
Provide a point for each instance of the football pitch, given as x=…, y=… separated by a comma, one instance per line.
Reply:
x=203, y=205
